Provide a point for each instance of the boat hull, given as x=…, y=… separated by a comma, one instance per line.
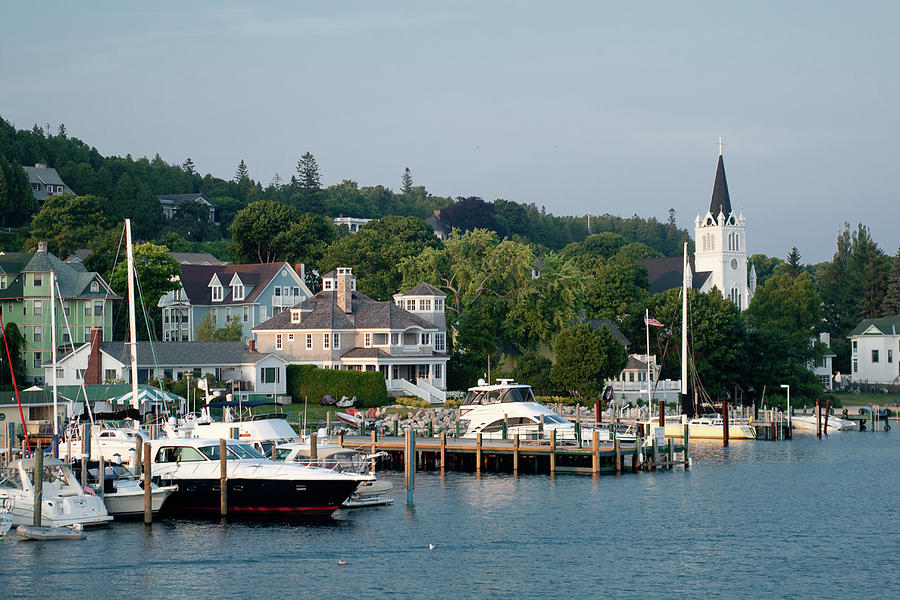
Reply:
x=131, y=503
x=260, y=498
x=712, y=432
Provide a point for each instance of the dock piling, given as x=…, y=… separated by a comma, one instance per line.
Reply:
x=38, y=484
x=818, y=418
x=595, y=452
x=516, y=454
x=478, y=454
x=553, y=451
x=410, y=463
x=148, y=486
x=618, y=449
x=827, y=410
x=101, y=475
x=313, y=447
x=443, y=451
x=725, y=423
x=687, y=442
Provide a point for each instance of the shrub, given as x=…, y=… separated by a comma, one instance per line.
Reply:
x=312, y=382
x=413, y=401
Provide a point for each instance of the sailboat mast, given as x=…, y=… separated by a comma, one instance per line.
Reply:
x=684, y=291
x=53, y=351
x=132, y=325
x=649, y=390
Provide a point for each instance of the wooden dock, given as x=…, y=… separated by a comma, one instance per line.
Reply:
x=441, y=453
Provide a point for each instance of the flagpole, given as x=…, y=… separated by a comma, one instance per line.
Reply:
x=649, y=392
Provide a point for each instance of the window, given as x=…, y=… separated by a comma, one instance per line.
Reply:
x=410, y=305
x=217, y=293
x=326, y=284
x=110, y=375
x=874, y=356
x=425, y=339
x=87, y=334
x=290, y=337
x=246, y=314
x=227, y=314
x=854, y=345
x=262, y=313
x=38, y=280
x=66, y=306
x=277, y=292
x=437, y=371
x=438, y=304
x=380, y=339
x=395, y=339
x=890, y=356
x=337, y=341
x=65, y=337
x=439, y=342
x=855, y=365
x=309, y=341
x=87, y=308
x=37, y=334
x=278, y=341
x=367, y=340
x=59, y=373
x=38, y=360
x=425, y=304
x=296, y=291
x=295, y=315
x=95, y=287
x=38, y=307
x=98, y=308
x=287, y=290
x=270, y=375
x=326, y=340
x=237, y=292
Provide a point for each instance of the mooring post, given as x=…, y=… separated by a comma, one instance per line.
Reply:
x=516, y=453
x=724, y=423
x=662, y=413
x=874, y=418
x=328, y=423
x=655, y=454
x=598, y=411
x=138, y=462
x=397, y=426
x=38, y=484
x=595, y=452
x=553, y=451
x=85, y=452
x=636, y=456
x=504, y=426
x=148, y=486
x=410, y=461
x=671, y=452
x=443, y=450
x=478, y=454
x=819, y=418
x=687, y=442
x=223, y=478
x=827, y=410
x=374, y=441
x=341, y=438
x=313, y=447
x=101, y=474
x=618, y=449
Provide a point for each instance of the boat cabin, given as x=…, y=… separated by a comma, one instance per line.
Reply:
x=200, y=450
x=505, y=391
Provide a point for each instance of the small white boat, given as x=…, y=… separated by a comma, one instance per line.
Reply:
x=346, y=460
x=709, y=428
x=807, y=424
x=123, y=492
x=66, y=532
x=5, y=516
x=64, y=502
x=114, y=441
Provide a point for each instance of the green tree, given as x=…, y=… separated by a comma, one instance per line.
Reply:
x=305, y=241
x=133, y=200
x=794, y=267
x=406, y=185
x=206, y=328
x=376, y=251
x=585, y=359
x=188, y=166
x=545, y=305
x=534, y=369
x=612, y=287
x=255, y=228
x=68, y=222
x=156, y=272
x=232, y=332
x=308, y=170
x=17, y=345
x=242, y=173
x=891, y=304
x=17, y=203
x=765, y=266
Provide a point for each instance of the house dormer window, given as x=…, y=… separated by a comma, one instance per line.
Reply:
x=295, y=315
x=237, y=291
x=217, y=293
x=410, y=305
x=438, y=304
x=326, y=284
x=95, y=287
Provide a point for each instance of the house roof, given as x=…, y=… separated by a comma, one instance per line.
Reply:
x=365, y=353
x=424, y=289
x=195, y=281
x=178, y=199
x=321, y=312
x=885, y=325
x=73, y=280
x=635, y=364
x=720, y=199
x=617, y=333
x=667, y=272
x=436, y=224
x=43, y=174
x=32, y=397
x=185, y=354
x=196, y=258
x=119, y=393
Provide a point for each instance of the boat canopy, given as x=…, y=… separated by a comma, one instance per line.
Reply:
x=239, y=404
x=498, y=395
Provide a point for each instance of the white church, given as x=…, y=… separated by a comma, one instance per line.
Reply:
x=720, y=256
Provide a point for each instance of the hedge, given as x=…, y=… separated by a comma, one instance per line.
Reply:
x=312, y=382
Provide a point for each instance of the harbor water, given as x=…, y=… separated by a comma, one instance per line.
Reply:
x=798, y=519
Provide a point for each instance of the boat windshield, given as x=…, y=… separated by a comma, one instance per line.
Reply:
x=502, y=395
x=244, y=451
x=11, y=479
x=282, y=453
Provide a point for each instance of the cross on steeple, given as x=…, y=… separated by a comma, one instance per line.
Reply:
x=721, y=146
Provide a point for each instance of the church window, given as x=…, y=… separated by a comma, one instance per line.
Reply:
x=737, y=241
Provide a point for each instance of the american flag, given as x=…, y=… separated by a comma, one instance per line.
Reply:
x=648, y=320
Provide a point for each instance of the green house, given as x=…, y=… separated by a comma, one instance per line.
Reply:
x=84, y=302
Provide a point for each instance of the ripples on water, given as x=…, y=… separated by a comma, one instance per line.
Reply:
x=795, y=519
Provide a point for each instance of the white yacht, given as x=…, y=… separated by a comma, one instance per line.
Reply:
x=64, y=502
x=708, y=428
x=807, y=424
x=345, y=460
x=114, y=441
x=123, y=492
x=487, y=407
x=257, y=486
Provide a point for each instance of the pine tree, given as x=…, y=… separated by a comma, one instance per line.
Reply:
x=407, y=181
x=308, y=169
x=242, y=173
x=188, y=166
x=794, y=268
x=891, y=304
x=61, y=132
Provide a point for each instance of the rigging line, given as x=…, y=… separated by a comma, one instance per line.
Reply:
x=87, y=402
x=12, y=374
x=149, y=336
x=115, y=262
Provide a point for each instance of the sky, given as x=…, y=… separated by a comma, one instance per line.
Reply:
x=581, y=107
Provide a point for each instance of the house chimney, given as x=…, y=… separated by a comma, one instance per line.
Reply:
x=251, y=345
x=437, y=214
x=42, y=247
x=300, y=268
x=94, y=366
x=344, y=293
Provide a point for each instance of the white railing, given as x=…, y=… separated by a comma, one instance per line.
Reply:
x=423, y=392
x=439, y=395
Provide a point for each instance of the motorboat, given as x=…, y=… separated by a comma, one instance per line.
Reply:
x=64, y=502
x=487, y=407
x=709, y=428
x=55, y=532
x=263, y=430
x=123, y=491
x=807, y=424
x=257, y=486
x=5, y=516
x=115, y=441
x=345, y=460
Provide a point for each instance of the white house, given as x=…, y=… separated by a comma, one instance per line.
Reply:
x=823, y=368
x=631, y=384
x=875, y=350
x=353, y=223
x=251, y=373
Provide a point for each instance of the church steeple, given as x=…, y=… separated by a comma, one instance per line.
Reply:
x=720, y=200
